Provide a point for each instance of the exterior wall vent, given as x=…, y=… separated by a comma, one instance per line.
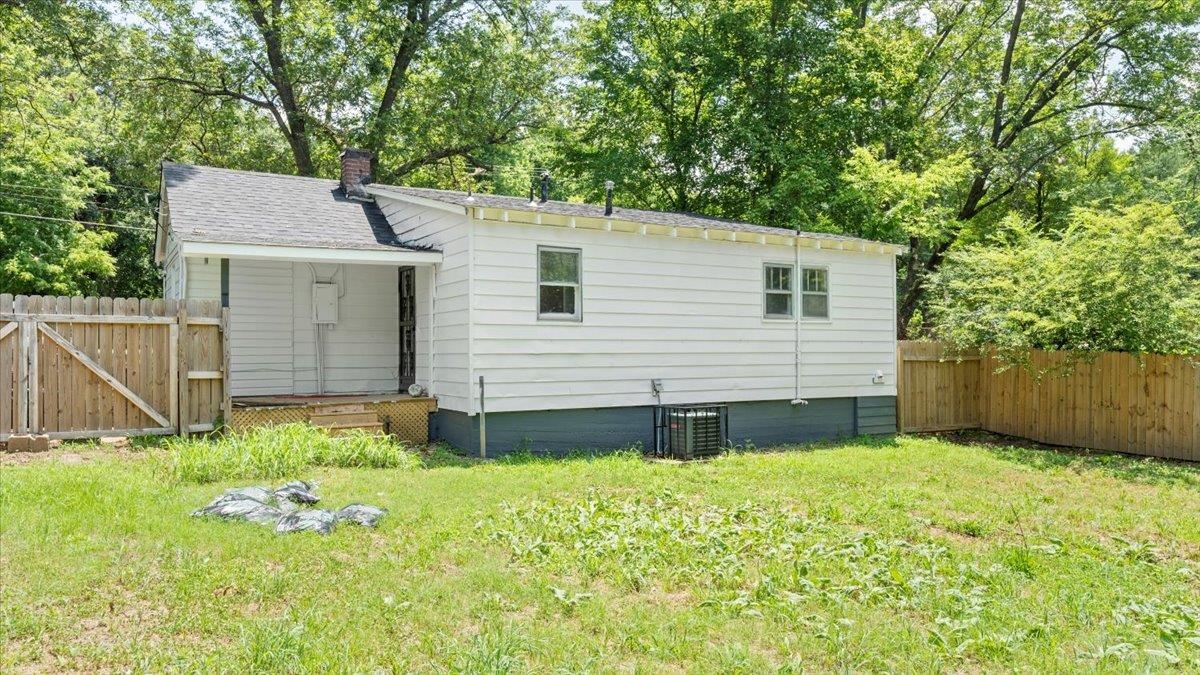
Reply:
x=690, y=432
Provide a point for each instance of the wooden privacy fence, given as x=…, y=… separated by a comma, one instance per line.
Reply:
x=88, y=367
x=1146, y=406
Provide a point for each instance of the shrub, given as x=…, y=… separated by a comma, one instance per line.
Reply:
x=279, y=452
x=1125, y=281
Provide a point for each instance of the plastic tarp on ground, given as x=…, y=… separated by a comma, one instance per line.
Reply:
x=287, y=508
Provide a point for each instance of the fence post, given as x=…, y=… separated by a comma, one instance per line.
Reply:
x=899, y=387
x=183, y=369
x=22, y=421
x=173, y=373
x=31, y=335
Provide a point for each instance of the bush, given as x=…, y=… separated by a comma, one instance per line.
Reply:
x=279, y=452
x=1124, y=281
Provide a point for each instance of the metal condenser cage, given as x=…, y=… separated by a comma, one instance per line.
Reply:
x=690, y=432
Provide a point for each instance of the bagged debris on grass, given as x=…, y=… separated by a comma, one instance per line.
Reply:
x=298, y=491
x=316, y=520
x=258, y=494
x=241, y=505
x=367, y=516
x=284, y=508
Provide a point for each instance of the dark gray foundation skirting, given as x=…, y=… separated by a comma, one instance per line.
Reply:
x=757, y=423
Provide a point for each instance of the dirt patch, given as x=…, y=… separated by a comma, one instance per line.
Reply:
x=994, y=440
x=72, y=454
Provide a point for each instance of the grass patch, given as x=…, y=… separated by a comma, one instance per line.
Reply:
x=285, y=451
x=914, y=555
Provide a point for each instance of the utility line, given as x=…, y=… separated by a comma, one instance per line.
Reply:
x=81, y=222
x=60, y=189
x=47, y=198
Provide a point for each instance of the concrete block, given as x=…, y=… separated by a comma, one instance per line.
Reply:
x=40, y=443
x=20, y=443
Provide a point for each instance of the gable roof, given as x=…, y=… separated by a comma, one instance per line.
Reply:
x=667, y=218
x=209, y=205
x=224, y=206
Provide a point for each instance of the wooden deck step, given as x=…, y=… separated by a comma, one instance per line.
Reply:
x=344, y=419
x=338, y=409
x=339, y=429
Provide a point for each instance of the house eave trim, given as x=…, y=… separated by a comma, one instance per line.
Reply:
x=415, y=200
x=194, y=249
x=680, y=231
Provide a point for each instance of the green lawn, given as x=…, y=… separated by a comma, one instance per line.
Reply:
x=912, y=554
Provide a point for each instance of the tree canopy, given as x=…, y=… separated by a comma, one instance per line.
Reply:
x=937, y=124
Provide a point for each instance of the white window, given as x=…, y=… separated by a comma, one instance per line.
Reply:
x=777, y=291
x=814, y=293
x=560, y=285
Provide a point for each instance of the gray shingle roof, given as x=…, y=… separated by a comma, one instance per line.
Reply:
x=597, y=211
x=214, y=205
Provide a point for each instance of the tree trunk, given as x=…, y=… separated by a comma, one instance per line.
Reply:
x=918, y=271
x=295, y=122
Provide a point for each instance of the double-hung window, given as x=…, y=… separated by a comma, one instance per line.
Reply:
x=560, y=283
x=814, y=293
x=778, y=291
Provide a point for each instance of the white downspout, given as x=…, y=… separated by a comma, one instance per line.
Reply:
x=317, y=347
x=798, y=303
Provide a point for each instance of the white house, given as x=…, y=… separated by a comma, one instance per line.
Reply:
x=564, y=324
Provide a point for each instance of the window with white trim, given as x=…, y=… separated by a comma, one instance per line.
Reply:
x=814, y=293
x=777, y=291
x=560, y=283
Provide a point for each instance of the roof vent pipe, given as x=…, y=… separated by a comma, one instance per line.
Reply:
x=608, y=188
x=545, y=186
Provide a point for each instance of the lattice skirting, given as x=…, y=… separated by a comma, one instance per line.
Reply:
x=406, y=419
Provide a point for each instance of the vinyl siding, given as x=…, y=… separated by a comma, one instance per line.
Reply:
x=172, y=270
x=685, y=311
x=261, y=327
x=203, y=278
x=445, y=374
x=876, y=415
x=361, y=351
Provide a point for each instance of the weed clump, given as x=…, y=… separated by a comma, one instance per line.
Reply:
x=279, y=452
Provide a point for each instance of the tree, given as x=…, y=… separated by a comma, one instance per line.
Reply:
x=1015, y=85
x=413, y=81
x=49, y=119
x=743, y=109
x=1123, y=280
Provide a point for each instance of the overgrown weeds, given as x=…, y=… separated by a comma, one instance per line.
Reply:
x=279, y=452
x=774, y=563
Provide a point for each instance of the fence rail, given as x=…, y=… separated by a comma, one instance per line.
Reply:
x=1147, y=406
x=75, y=367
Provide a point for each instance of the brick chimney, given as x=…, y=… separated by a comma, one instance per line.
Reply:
x=356, y=171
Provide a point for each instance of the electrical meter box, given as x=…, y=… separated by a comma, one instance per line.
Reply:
x=324, y=303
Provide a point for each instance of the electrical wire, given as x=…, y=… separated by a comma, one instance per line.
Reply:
x=80, y=222
x=59, y=189
x=46, y=198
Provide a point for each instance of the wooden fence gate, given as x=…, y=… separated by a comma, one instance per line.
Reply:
x=89, y=367
x=1147, y=406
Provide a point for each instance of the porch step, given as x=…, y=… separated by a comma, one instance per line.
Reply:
x=375, y=429
x=344, y=419
x=338, y=408
x=339, y=418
